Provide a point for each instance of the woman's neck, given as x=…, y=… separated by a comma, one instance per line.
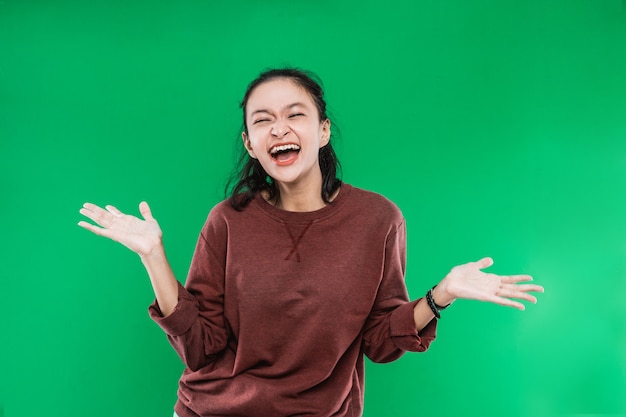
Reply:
x=299, y=198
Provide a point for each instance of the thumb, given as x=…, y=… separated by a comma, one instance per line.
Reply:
x=145, y=211
x=484, y=263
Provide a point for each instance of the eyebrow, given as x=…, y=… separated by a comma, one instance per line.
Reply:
x=287, y=107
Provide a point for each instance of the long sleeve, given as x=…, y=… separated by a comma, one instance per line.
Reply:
x=196, y=328
x=390, y=328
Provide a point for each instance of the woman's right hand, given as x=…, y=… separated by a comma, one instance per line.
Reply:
x=141, y=236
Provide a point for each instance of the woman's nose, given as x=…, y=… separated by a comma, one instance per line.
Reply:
x=280, y=129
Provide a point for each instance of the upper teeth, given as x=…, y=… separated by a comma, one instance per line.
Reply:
x=287, y=147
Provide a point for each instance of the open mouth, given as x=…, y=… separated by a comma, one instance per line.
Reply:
x=285, y=153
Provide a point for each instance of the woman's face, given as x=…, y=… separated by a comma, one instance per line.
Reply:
x=285, y=133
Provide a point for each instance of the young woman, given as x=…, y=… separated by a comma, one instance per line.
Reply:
x=296, y=277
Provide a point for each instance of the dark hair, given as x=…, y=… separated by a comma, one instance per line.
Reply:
x=249, y=178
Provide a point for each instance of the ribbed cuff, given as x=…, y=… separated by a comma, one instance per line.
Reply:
x=404, y=332
x=183, y=316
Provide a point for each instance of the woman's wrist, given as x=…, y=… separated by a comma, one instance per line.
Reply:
x=441, y=296
x=155, y=255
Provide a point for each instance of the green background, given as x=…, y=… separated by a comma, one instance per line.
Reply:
x=498, y=127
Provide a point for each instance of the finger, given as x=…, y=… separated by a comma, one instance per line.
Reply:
x=507, y=302
x=113, y=210
x=96, y=215
x=89, y=206
x=529, y=288
x=93, y=207
x=484, y=263
x=512, y=279
x=145, y=211
x=94, y=229
x=514, y=293
x=90, y=213
x=93, y=211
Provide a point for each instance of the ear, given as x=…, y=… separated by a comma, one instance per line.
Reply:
x=325, y=133
x=246, y=143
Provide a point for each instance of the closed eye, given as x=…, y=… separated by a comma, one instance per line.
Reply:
x=260, y=121
x=291, y=116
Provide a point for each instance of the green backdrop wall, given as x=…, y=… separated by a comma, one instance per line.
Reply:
x=498, y=127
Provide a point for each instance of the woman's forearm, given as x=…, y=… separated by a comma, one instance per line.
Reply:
x=422, y=313
x=163, y=280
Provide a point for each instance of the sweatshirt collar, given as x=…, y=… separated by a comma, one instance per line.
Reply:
x=284, y=216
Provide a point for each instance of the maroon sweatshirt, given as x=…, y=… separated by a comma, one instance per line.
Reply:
x=280, y=307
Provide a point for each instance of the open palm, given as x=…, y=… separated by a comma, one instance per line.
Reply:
x=140, y=236
x=470, y=282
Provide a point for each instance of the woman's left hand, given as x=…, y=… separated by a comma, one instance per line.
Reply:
x=468, y=281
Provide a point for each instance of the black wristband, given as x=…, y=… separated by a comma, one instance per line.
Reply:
x=435, y=308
